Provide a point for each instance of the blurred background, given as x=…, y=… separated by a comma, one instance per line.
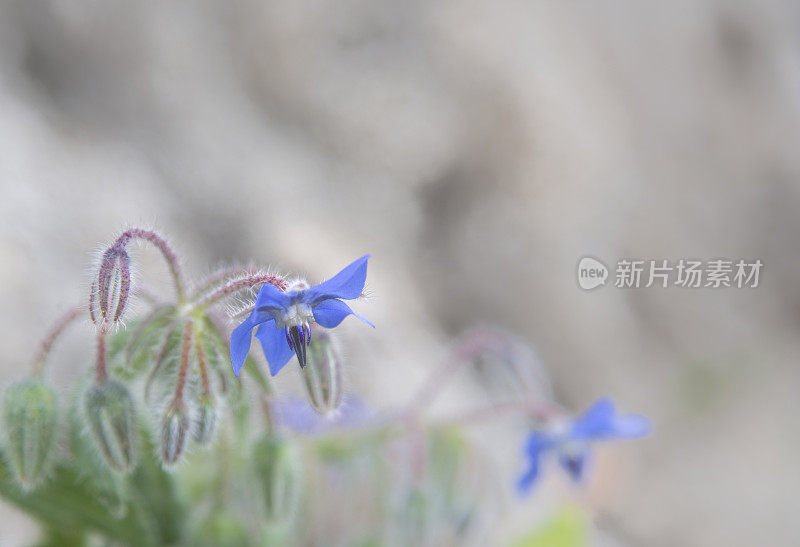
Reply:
x=477, y=150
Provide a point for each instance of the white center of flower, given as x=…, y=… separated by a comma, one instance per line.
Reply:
x=296, y=315
x=567, y=446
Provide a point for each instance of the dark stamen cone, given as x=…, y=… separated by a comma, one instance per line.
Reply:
x=298, y=343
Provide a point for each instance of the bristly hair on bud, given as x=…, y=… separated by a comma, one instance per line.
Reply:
x=30, y=419
x=205, y=421
x=111, y=416
x=174, y=427
x=111, y=289
x=323, y=372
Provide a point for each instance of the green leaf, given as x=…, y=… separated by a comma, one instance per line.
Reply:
x=67, y=508
x=569, y=528
x=139, y=509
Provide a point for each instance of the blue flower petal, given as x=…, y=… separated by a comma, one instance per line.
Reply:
x=240, y=346
x=270, y=299
x=347, y=284
x=276, y=348
x=329, y=313
x=298, y=415
x=600, y=421
x=535, y=445
x=631, y=426
x=528, y=478
x=240, y=341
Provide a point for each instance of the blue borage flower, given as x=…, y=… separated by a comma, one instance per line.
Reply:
x=297, y=415
x=570, y=442
x=283, y=318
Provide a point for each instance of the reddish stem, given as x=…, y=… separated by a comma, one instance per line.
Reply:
x=180, y=382
x=534, y=409
x=242, y=283
x=162, y=245
x=202, y=364
x=459, y=356
x=55, y=331
x=101, y=368
x=222, y=275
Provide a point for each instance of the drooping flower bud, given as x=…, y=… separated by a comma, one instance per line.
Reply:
x=206, y=420
x=504, y=364
x=276, y=470
x=113, y=286
x=111, y=415
x=323, y=372
x=174, y=428
x=30, y=415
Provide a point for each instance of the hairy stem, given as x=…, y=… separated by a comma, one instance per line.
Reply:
x=101, y=368
x=166, y=251
x=542, y=410
x=269, y=415
x=183, y=369
x=202, y=364
x=55, y=331
x=236, y=285
x=459, y=356
x=222, y=275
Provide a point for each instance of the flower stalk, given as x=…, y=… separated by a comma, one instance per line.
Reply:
x=236, y=285
x=166, y=251
x=183, y=369
x=52, y=335
x=101, y=367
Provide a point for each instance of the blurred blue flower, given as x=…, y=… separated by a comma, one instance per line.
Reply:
x=283, y=318
x=570, y=442
x=299, y=416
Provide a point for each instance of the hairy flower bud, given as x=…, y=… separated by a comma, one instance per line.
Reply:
x=112, y=420
x=113, y=286
x=275, y=468
x=30, y=415
x=174, y=427
x=504, y=364
x=323, y=372
x=206, y=420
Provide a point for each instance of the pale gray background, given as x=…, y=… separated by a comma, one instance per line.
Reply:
x=477, y=150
